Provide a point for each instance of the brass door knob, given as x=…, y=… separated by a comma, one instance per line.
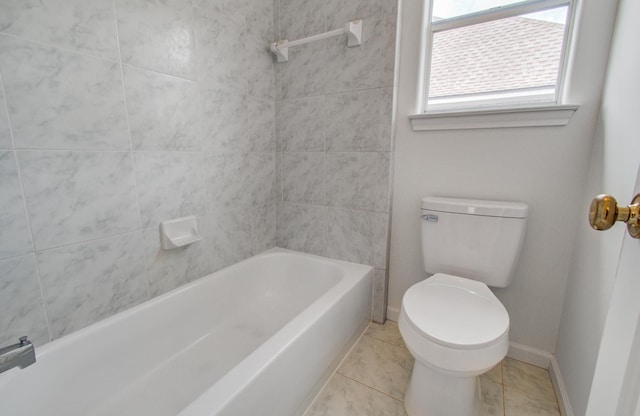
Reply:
x=604, y=212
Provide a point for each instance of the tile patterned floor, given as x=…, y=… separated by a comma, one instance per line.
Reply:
x=372, y=379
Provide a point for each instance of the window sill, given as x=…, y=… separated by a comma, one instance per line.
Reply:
x=554, y=115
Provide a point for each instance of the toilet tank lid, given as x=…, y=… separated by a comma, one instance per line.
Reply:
x=476, y=207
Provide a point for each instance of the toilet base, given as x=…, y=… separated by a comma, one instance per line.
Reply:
x=432, y=393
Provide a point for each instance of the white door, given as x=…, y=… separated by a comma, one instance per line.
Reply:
x=616, y=383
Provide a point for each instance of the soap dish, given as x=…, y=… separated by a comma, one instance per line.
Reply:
x=179, y=232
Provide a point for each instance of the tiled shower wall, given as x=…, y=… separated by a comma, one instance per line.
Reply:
x=116, y=115
x=334, y=109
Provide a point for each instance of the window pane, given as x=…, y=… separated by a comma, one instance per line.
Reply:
x=519, y=56
x=444, y=9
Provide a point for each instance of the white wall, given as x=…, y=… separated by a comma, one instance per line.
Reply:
x=614, y=162
x=544, y=167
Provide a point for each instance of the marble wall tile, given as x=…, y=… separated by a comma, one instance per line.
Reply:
x=224, y=120
x=351, y=179
x=382, y=191
x=350, y=235
x=221, y=58
x=340, y=11
x=62, y=100
x=330, y=99
x=380, y=238
x=261, y=129
x=259, y=26
x=217, y=7
x=302, y=228
x=169, y=269
x=263, y=228
x=228, y=181
x=352, y=121
x=305, y=73
x=170, y=185
x=380, y=287
x=301, y=124
x=15, y=238
x=303, y=176
x=261, y=73
x=75, y=196
x=300, y=18
x=157, y=35
x=22, y=307
x=343, y=396
x=263, y=178
x=5, y=131
x=80, y=25
x=76, y=113
x=230, y=237
x=87, y=282
x=358, y=67
x=163, y=111
x=279, y=176
x=385, y=119
x=389, y=28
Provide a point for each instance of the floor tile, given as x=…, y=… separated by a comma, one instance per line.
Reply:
x=373, y=378
x=345, y=397
x=388, y=332
x=528, y=378
x=518, y=403
x=491, y=403
x=495, y=374
x=381, y=365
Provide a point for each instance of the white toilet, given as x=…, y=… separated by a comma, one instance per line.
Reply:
x=452, y=323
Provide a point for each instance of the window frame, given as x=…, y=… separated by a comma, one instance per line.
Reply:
x=497, y=13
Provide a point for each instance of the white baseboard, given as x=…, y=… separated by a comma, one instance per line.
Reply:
x=560, y=388
x=393, y=314
x=529, y=355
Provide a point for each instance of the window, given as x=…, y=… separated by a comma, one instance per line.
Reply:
x=495, y=53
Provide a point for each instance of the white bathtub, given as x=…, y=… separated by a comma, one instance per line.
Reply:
x=257, y=338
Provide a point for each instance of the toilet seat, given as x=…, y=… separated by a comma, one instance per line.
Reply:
x=455, y=312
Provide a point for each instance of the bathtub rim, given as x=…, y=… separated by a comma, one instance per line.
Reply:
x=249, y=369
x=58, y=343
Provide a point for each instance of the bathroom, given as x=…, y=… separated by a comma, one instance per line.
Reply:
x=117, y=115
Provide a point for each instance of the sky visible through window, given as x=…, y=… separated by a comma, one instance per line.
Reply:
x=443, y=9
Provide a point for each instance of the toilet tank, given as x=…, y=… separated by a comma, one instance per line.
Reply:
x=476, y=239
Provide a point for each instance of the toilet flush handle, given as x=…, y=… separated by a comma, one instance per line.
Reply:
x=604, y=212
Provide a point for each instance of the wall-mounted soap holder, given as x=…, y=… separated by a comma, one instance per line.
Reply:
x=179, y=232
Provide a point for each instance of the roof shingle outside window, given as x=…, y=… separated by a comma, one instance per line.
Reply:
x=501, y=55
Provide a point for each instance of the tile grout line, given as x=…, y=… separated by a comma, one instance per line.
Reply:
x=26, y=211
x=337, y=367
x=205, y=225
x=386, y=341
x=370, y=387
x=90, y=55
x=131, y=153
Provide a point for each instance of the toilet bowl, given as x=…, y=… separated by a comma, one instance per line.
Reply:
x=456, y=329
x=451, y=322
